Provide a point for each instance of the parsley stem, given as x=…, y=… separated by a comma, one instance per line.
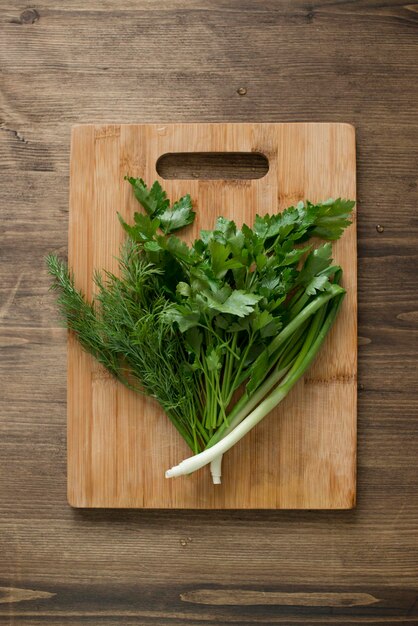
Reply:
x=247, y=401
x=236, y=380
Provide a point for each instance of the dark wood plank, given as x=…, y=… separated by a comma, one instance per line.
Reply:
x=78, y=61
x=184, y=604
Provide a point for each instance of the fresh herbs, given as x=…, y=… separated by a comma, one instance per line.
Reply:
x=219, y=331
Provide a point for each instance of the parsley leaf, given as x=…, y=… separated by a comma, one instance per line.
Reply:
x=180, y=215
x=157, y=205
x=154, y=200
x=238, y=303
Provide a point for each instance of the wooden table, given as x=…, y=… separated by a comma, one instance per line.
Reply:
x=236, y=60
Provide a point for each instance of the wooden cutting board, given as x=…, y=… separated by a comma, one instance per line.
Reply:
x=120, y=444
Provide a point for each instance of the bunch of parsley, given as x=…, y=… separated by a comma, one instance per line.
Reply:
x=219, y=331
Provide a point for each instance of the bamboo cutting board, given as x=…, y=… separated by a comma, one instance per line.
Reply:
x=120, y=444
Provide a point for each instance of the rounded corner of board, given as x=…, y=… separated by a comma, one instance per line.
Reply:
x=73, y=502
x=351, y=503
x=351, y=129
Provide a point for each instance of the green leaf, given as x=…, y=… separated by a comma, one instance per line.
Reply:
x=194, y=339
x=238, y=303
x=152, y=246
x=219, y=253
x=236, y=242
x=144, y=228
x=317, y=261
x=213, y=361
x=156, y=204
x=271, y=330
x=177, y=248
x=265, y=323
x=261, y=261
x=145, y=225
x=222, y=322
x=318, y=283
x=243, y=323
x=261, y=225
x=202, y=277
x=331, y=218
x=270, y=282
x=206, y=236
x=332, y=269
x=248, y=233
x=183, y=289
x=276, y=302
x=181, y=214
x=261, y=320
x=129, y=229
x=226, y=228
x=293, y=257
x=154, y=200
x=283, y=223
x=326, y=220
x=185, y=318
x=199, y=247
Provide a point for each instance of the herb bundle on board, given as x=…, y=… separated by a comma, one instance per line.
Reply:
x=219, y=331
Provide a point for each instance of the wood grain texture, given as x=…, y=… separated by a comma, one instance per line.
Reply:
x=119, y=443
x=84, y=62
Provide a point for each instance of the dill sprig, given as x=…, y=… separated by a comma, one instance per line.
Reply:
x=126, y=329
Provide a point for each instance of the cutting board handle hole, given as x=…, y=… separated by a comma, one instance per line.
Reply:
x=212, y=165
